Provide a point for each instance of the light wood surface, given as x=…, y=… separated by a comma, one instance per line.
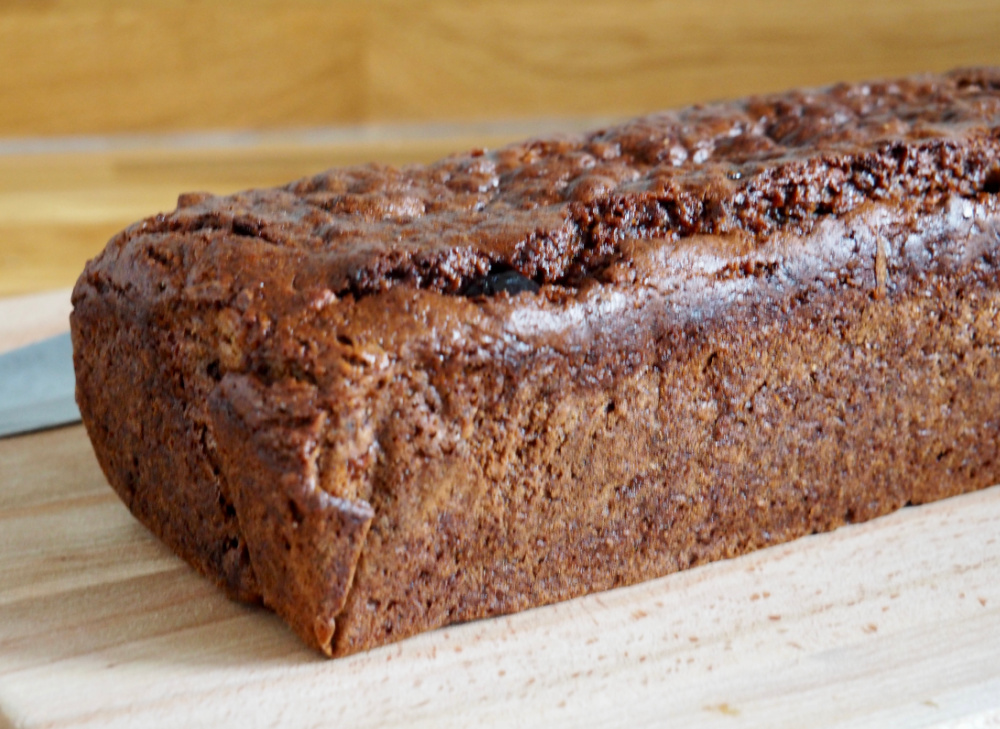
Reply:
x=35, y=316
x=891, y=623
x=100, y=66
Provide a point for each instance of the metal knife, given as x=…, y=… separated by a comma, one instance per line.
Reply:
x=37, y=387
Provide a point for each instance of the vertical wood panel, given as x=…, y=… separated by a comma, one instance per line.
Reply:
x=103, y=66
x=99, y=66
x=497, y=57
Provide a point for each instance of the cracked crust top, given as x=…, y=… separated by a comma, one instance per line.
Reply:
x=557, y=210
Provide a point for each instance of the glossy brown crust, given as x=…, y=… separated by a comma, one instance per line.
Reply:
x=756, y=320
x=558, y=209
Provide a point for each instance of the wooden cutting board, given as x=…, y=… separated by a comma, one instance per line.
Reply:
x=891, y=623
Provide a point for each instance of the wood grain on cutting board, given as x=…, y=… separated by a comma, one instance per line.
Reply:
x=891, y=623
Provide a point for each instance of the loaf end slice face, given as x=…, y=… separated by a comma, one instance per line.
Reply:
x=303, y=542
x=384, y=400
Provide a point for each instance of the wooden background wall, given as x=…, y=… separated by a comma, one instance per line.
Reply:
x=96, y=66
x=402, y=80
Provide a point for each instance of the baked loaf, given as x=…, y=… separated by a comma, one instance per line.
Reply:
x=384, y=400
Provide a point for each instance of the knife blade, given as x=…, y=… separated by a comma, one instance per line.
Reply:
x=37, y=387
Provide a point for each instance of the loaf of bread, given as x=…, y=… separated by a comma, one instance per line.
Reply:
x=384, y=400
